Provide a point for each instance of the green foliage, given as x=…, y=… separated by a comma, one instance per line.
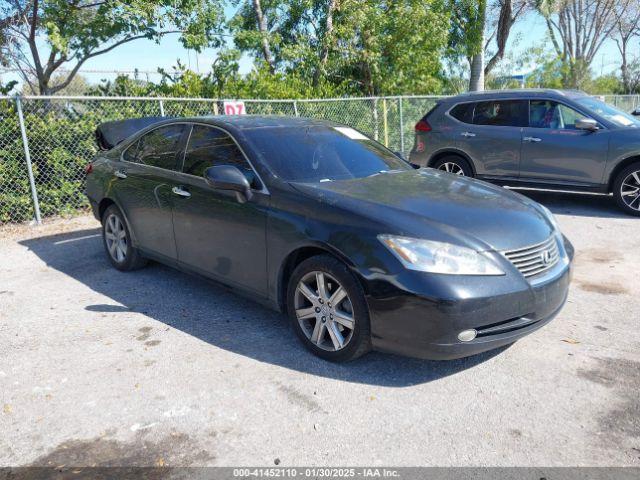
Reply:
x=374, y=47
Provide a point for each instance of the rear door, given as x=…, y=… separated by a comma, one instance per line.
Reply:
x=490, y=133
x=553, y=150
x=143, y=184
x=215, y=233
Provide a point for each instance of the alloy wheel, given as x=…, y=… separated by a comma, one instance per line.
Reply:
x=116, y=237
x=324, y=311
x=452, y=167
x=630, y=190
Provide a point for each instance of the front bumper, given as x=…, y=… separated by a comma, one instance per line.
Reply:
x=423, y=317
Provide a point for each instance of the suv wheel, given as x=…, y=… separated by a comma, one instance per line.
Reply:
x=454, y=164
x=626, y=189
x=328, y=311
x=117, y=241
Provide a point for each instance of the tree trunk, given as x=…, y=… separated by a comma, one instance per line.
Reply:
x=476, y=80
x=324, y=54
x=264, y=31
x=476, y=77
x=624, y=69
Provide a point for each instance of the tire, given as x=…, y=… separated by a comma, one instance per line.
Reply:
x=454, y=164
x=357, y=338
x=628, y=181
x=124, y=256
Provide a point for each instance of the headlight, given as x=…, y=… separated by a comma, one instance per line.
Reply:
x=438, y=257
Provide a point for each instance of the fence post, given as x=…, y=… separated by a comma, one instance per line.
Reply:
x=161, y=108
x=295, y=108
x=385, y=123
x=401, y=125
x=27, y=156
x=375, y=120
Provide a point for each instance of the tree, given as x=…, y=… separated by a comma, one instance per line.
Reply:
x=41, y=38
x=359, y=46
x=504, y=14
x=626, y=26
x=577, y=29
x=467, y=37
x=264, y=34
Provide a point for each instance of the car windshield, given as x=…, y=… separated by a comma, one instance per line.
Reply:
x=618, y=117
x=323, y=153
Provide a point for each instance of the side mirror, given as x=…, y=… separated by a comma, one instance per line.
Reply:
x=228, y=177
x=636, y=112
x=587, y=124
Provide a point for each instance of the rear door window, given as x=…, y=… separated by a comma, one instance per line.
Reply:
x=159, y=147
x=463, y=112
x=501, y=113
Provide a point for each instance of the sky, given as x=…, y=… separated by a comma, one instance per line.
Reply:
x=146, y=55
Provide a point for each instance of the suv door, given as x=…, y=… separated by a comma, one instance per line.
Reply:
x=142, y=186
x=554, y=151
x=215, y=233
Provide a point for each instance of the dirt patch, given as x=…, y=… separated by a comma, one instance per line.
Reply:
x=604, y=288
x=146, y=332
x=621, y=419
x=597, y=255
x=300, y=399
x=176, y=449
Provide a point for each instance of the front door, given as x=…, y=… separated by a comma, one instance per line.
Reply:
x=554, y=151
x=143, y=184
x=493, y=138
x=215, y=233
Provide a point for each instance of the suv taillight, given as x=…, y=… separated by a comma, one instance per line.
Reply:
x=423, y=126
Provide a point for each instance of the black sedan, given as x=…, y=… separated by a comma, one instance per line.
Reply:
x=316, y=220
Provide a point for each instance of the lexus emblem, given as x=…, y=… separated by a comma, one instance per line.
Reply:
x=546, y=257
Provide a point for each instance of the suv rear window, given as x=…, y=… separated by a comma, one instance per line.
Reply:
x=463, y=112
x=502, y=113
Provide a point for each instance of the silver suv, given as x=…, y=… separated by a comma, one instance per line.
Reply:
x=552, y=139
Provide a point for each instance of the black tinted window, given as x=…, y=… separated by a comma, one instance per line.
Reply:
x=158, y=148
x=503, y=113
x=131, y=153
x=319, y=153
x=463, y=112
x=208, y=147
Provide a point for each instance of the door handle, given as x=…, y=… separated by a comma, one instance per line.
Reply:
x=180, y=192
x=468, y=134
x=532, y=139
x=120, y=174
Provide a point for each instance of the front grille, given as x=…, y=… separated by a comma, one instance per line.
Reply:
x=535, y=259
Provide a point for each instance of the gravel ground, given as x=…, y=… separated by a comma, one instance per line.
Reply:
x=156, y=367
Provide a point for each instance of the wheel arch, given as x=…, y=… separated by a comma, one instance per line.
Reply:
x=295, y=258
x=105, y=203
x=618, y=168
x=450, y=151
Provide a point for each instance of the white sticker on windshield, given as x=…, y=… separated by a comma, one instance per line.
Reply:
x=351, y=133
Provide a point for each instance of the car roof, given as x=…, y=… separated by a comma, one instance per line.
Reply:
x=516, y=93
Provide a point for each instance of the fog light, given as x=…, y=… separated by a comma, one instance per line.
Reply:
x=467, y=335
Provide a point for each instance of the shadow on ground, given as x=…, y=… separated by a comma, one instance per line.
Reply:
x=580, y=204
x=211, y=313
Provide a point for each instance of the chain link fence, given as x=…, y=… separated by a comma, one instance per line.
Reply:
x=46, y=142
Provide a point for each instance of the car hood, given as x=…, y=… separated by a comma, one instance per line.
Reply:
x=428, y=203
